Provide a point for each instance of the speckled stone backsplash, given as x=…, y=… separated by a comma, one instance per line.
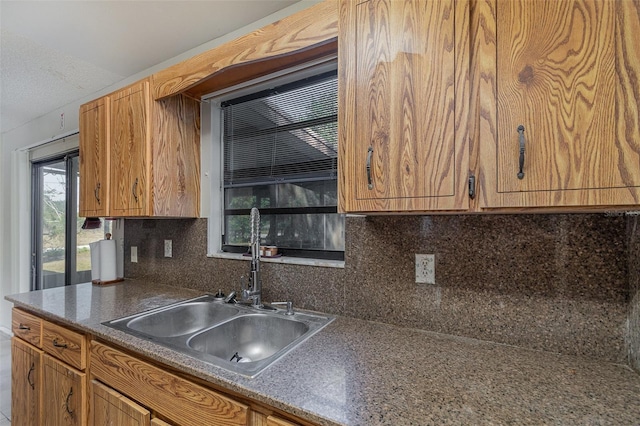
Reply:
x=558, y=283
x=633, y=225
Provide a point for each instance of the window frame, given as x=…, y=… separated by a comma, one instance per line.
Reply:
x=214, y=132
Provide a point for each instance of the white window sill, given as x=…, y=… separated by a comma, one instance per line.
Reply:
x=284, y=259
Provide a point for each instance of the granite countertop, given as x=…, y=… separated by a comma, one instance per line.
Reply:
x=356, y=372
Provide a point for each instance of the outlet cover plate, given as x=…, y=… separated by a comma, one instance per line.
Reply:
x=168, y=248
x=425, y=269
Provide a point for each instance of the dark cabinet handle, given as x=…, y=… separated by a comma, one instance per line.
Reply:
x=33, y=367
x=472, y=186
x=521, y=162
x=66, y=402
x=24, y=327
x=96, y=192
x=369, y=154
x=58, y=345
x=134, y=189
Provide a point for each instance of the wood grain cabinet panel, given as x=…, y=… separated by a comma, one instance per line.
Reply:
x=64, y=394
x=566, y=71
x=26, y=383
x=109, y=408
x=94, y=158
x=66, y=345
x=175, y=398
x=403, y=105
x=27, y=327
x=151, y=150
x=277, y=421
x=130, y=150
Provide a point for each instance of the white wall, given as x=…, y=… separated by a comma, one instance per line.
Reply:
x=15, y=187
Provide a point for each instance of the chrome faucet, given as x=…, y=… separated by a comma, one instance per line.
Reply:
x=253, y=291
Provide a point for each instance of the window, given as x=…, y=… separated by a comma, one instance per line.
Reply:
x=280, y=150
x=60, y=246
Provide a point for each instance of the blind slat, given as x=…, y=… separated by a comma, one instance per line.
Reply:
x=283, y=136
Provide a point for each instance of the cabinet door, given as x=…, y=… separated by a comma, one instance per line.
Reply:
x=109, y=408
x=94, y=158
x=130, y=150
x=403, y=114
x=565, y=71
x=26, y=383
x=64, y=390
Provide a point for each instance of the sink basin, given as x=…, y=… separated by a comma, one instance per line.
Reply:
x=248, y=338
x=182, y=319
x=236, y=337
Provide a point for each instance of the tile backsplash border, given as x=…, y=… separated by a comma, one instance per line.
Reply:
x=558, y=283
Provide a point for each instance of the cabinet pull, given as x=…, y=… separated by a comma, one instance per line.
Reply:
x=472, y=186
x=24, y=327
x=369, y=154
x=96, y=192
x=134, y=189
x=66, y=402
x=59, y=345
x=521, y=162
x=33, y=367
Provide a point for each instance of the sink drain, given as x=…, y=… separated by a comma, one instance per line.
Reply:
x=239, y=358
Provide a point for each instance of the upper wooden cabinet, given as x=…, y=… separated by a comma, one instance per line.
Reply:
x=94, y=158
x=130, y=150
x=152, y=154
x=567, y=72
x=403, y=105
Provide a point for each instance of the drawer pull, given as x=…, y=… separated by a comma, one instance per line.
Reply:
x=96, y=192
x=32, y=384
x=66, y=402
x=24, y=327
x=521, y=159
x=59, y=345
x=369, y=181
x=134, y=190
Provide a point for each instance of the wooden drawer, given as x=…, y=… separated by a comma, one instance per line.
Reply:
x=27, y=327
x=172, y=396
x=66, y=345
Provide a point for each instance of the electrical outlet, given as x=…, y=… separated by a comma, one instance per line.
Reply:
x=425, y=269
x=62, y=121
x=168, y=249
x=134, y=254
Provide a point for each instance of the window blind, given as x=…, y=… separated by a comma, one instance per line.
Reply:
x=282, y=135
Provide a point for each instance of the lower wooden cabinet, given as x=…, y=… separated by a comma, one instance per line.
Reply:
x=157, y=422
x=26, y=383
x=175, y=398
x=111, y=387
x=277, y=421
x=64, y=391
x=109, y=408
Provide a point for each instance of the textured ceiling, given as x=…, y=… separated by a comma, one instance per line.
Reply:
x=56, y=52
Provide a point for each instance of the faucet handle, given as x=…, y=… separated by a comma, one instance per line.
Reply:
x=231, y=298
x=289, y=307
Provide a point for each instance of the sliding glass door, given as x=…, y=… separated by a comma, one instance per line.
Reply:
x=60, y=254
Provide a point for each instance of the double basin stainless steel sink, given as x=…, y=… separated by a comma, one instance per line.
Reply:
x=235, y=337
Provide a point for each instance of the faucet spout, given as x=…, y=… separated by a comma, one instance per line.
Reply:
x=254, y=289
